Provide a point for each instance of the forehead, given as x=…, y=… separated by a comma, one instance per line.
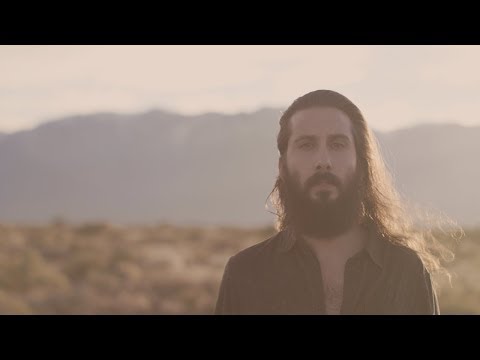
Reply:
x=320, y=121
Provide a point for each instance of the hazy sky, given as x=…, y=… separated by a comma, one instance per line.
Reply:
x=394, y=86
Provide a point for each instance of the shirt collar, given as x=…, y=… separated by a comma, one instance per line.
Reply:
x=375, y=246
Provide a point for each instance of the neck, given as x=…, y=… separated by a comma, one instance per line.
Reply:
x=342, y=246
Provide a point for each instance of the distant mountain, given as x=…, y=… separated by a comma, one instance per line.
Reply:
x=206, y=169
x=436, y=165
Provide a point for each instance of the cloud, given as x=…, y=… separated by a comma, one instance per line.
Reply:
x=389, y=114
x=50, y=81
x=394, y=86
x=453, y=66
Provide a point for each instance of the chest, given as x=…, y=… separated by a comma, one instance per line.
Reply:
x=333, y=285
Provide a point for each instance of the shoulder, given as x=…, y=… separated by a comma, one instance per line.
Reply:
x=246, y=277
x=416, y=293
x=406, y=264
x=255, y=255
x=403, y=256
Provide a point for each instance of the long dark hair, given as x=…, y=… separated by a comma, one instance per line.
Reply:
x=383, y=208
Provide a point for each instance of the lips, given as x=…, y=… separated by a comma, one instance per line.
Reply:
x=323, y=184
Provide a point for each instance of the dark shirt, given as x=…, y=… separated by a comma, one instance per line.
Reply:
x=281, y=275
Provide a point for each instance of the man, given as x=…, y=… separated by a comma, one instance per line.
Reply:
x=345, y=244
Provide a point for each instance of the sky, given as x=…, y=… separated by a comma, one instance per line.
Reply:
x=394, y=86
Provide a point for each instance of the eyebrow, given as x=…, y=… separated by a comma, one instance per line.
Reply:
x=330, y=137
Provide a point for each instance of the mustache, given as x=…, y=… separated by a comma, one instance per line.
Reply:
x=318, y=178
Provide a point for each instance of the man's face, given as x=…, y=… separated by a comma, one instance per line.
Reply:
x=320, y=173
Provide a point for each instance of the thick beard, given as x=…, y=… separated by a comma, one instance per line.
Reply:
x=323, y=218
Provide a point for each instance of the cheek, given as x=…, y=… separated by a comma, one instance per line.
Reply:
x=347, y=162
x=345, y=169
x=297, y=170
x=300, y=162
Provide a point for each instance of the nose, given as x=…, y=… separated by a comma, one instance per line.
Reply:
x=323, y=160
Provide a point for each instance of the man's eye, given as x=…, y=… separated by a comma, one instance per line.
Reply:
x=306, y=146
x=338, y=145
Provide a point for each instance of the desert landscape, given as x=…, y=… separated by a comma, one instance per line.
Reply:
x=99, y=268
